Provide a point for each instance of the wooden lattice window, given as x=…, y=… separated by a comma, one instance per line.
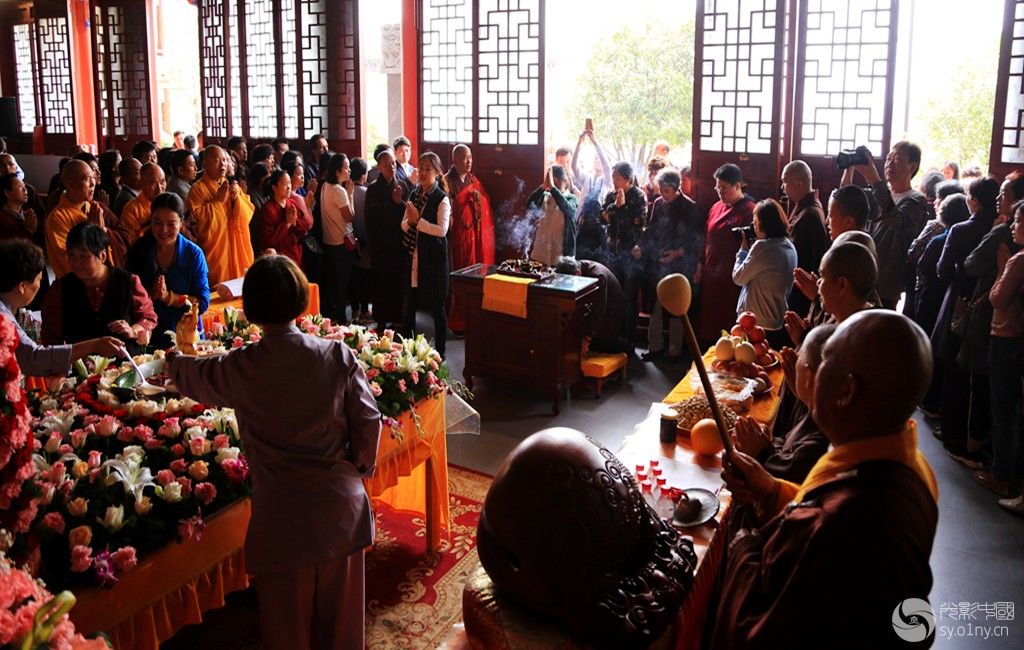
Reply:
x=37, y=70
x=280, y=67
x=122, y=81
x=1007, y=152
x=844, y=81
x=738, y=100
x=481, y=72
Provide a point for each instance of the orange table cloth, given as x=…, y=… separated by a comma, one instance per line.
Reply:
x=413, y=475
x=709, y=545
x=172, y=587
x=763, y=409
x=506, y=294
x=215, y=312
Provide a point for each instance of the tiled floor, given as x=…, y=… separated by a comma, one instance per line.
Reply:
x=979, y=549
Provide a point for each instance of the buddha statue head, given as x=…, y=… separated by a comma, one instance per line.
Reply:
x=565, y=533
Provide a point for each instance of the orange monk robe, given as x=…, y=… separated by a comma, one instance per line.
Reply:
x=65, y=216
x=471, y=233
x=222, y=230
x=135, y=216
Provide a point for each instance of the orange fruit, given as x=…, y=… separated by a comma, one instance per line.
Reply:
x=705, y=439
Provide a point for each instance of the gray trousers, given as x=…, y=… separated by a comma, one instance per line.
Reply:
x=655, y=336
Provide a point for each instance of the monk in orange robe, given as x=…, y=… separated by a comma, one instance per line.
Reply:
x=136, y=213
x=856, y=535
x=75, y=206
x=222, y=214
x=471, y=233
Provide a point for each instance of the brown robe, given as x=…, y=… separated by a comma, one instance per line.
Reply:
x=830, y=570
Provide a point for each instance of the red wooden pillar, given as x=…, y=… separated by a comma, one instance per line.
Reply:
x=411, y=73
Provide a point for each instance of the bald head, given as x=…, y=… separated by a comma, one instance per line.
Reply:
x=153, y=180
x=796, y=180
x=854, y=262
x=462, y=159
x=73, y=172
x=874, y=370
x=859, y=237
x=214, y=163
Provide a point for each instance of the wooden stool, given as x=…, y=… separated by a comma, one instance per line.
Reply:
x=599, y=366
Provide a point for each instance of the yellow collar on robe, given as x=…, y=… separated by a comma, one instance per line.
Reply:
x=67, y=203
x=898, y=447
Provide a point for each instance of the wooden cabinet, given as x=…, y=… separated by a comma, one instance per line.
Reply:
x=541, y=351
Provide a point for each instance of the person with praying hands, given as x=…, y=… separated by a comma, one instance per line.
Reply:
x=222, y=213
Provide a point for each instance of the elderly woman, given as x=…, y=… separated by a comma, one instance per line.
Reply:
x=427, y=217
x=764, y=270
x=284, y=219
x=21, y=270
x=172, y=268
x=625, y=212
x=96, y=299
x=310, y=427
x=718, y=292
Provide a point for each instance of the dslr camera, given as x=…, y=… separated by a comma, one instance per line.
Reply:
x=737, y=233
x=849, y=157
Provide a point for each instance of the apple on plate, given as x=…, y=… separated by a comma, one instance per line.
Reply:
x=747, y=320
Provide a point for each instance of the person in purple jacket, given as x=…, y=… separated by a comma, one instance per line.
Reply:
x=310, y=428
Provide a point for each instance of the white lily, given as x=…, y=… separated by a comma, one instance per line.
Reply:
x=133, y=476
x=60, y=421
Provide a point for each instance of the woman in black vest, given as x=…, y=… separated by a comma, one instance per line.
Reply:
x=427, y=215
x=96, y=299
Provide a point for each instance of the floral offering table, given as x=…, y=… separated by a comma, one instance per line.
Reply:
x=140, y=504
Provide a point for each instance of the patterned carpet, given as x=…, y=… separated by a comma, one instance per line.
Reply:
x=412, y=601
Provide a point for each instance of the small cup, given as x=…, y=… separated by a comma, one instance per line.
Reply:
x=668, y=424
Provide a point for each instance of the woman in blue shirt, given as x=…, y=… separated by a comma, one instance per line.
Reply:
x=171, y=267
x=764, y=270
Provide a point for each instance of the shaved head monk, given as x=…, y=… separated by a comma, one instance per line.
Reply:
x=837, y=555
x=222, y=213
x=471, y=234
x=75, y=206
x=136, y=214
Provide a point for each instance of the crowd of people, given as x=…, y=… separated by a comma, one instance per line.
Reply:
x=131, y=240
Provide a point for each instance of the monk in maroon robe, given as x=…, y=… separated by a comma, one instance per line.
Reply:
x=471, y=234
x=839, y=556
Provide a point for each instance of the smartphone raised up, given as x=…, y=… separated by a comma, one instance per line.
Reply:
x=588, y=125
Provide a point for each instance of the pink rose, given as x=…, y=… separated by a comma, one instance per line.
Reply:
x=64, y=449
x=415, y=377
x=198, y=446
x=178, y=465
x=95, y=459
x=125, y=434
x=371, y=373
x=53, y=442
x=164, y=476
x=401, y=385
x=124, y=558
x=107, y=426
x=376, y=389
x=206, y=492
x=237, y=342
x=142, y=432
x=186, y=485
x=178, y=450
x=254, y=338
x=55, y=522
x=390, y=366
x=237, y=469
x=153, y=443
x=217, y=328
x=81, y=558
x=220, y=441
x=170, y=428
x=78, y=437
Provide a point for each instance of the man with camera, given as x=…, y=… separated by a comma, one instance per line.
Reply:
x=902, y=211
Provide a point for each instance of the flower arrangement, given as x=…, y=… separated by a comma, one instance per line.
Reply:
x=117, y=480
x=31, y=617
x=401, y=371
x=17, y=497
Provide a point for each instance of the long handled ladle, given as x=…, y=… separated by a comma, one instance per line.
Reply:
x=143, y=386
x=675, y=296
